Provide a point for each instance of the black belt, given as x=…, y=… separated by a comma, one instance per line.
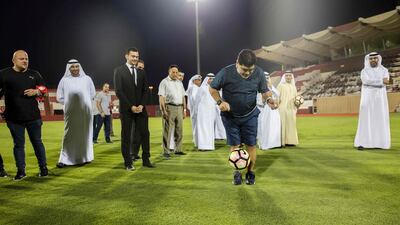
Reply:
x=174, y=104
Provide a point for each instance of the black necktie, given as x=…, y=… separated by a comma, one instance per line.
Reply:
x=134, y=73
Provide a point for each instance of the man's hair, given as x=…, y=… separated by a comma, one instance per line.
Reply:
x=173, y=66
x=247, y=58
x=131, y=49
x=141, y=61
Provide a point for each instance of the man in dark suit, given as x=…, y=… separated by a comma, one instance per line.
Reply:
x=131, y=90
x=136, y=141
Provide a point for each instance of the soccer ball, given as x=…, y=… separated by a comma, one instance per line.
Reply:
x=239, y=159
x=298, y=100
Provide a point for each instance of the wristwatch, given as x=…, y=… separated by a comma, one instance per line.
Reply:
x=219, y=102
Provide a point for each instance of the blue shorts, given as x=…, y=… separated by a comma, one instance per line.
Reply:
x=241, y=129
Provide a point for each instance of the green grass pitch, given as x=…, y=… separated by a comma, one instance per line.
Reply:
x=322, y=181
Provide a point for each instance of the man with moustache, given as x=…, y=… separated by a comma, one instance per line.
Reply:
x=373, y=129
x=173, y=106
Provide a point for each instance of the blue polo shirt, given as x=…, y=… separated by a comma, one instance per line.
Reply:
x=240, y=93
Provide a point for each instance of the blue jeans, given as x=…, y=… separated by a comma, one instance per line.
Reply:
x=99, y=123
x=34, y=128
x=94, y=123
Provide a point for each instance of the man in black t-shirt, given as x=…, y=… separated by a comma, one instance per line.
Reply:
x=240, y=83
x=20, y=87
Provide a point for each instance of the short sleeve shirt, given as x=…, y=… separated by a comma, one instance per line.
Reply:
x=240, y=93
x=105, y=101
x=172, y=90
x=20, y=107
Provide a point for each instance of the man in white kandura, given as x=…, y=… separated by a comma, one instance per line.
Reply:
x=220, y=132
x=269, y=121
x=191, y=92
x=373, y=123
x=76, y=92
x=206, y=114
x=288, y=110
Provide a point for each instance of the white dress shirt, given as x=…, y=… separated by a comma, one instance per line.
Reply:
x=133, y=71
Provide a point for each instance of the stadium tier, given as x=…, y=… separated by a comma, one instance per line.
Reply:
x=338, y=78
x=375, y=33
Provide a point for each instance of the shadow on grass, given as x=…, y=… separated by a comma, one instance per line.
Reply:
x=264, y=161
x=36, y=214
x=140, y=192
x=17, y=186
x=334, y=169
x=257, y=207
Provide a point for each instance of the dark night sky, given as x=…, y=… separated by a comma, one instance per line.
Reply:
x=97, y=32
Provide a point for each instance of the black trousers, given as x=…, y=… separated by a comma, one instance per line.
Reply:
x=132, y=125
x=136, y=145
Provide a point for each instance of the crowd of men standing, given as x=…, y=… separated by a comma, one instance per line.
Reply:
x=238, y=104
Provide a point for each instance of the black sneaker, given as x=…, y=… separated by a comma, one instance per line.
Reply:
x=135, y=158
x=237, y=178
x=250, y=178
x=20, y=175
x=360, y=148
x=3, y=173
x=130, y=168
x=109, y=141
x=44, y=172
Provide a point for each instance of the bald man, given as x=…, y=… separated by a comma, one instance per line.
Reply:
x=20, y=87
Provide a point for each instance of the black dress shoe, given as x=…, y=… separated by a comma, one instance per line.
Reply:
x=135, y=158
x=360, y=148
x=180, y=153
x=60, y=165
x=148, y=164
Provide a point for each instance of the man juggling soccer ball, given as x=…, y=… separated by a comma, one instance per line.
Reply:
x=240, y=83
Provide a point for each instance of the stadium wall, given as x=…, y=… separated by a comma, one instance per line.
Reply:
x=348, y=104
